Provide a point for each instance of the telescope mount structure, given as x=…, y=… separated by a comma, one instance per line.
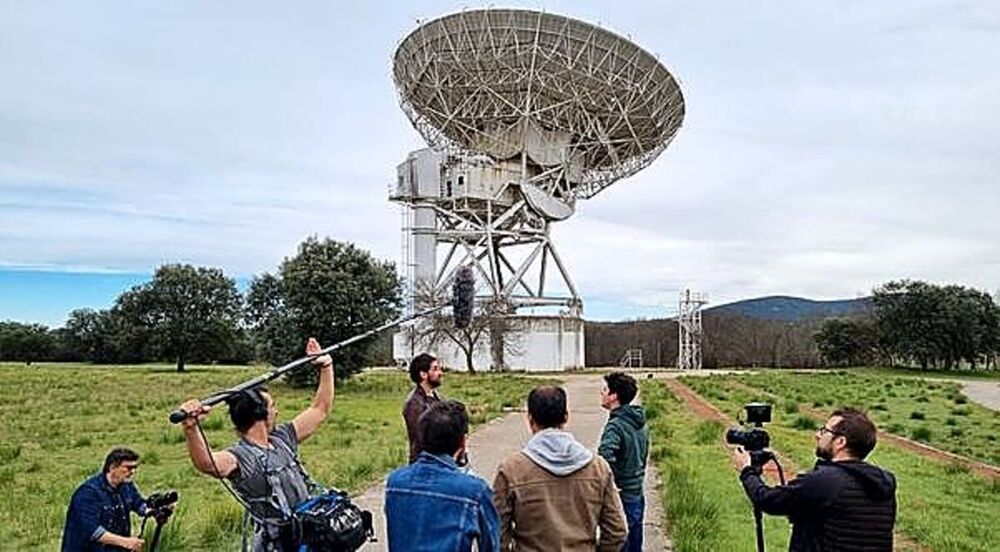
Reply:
x=524, y=113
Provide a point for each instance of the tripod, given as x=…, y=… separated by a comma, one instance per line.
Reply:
x=758, y=458
x=160, y=522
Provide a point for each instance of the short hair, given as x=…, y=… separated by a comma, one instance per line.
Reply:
x=117, y=456
x=857, y=429
x=420, y=363
x=442, y=427
x=547, y=406
x=622, y=385
x=247, y=408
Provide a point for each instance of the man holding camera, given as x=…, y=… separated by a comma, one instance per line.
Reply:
x=625, y=445
x=98, y=516
x=431, y=504
x=263, y=466
x=426, y=374
x=844, y=503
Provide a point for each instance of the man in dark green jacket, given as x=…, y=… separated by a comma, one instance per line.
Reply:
x=625, y=445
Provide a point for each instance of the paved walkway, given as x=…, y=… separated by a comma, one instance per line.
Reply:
x=986, y=393
x=491, y=443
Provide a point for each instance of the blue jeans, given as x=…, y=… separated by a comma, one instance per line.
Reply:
x=634, y=510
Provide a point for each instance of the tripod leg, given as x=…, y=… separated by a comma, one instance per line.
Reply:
x=758, y=519
x=156, y=537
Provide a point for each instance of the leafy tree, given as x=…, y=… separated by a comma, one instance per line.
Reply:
x=25, y=342
x=330, y=290
x=91, y=335
x=185, y=313
x=939, y=326
x=847, y=342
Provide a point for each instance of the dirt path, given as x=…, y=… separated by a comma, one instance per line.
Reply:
x=986, y=393
x=491, y=443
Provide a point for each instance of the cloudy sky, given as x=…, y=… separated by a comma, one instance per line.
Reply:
x=828, y=147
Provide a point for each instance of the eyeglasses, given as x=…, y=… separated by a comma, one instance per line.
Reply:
x=825, y=429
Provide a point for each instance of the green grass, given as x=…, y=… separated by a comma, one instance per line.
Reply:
x=61, y=420
x=941, y=506
x=937, y=374
x=908, y=405
x=704, y=503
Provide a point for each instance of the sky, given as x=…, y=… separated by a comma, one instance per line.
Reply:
x=827, y=147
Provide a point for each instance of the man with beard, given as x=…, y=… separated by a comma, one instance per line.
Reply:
x=844, y=503
x=426, y=374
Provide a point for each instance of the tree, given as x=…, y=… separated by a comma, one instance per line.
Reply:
x=185, y=313
x=490, y=319
x=329, y=290
x=847, y=342
x=25, y=342
x=936, y=326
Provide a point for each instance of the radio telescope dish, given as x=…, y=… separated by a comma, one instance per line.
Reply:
x=582, y=106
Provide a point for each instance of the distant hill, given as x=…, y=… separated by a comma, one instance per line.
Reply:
x=792, y=309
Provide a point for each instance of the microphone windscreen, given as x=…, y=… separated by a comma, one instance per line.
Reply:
x=463, y=294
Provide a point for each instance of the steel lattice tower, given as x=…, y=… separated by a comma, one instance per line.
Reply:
x=689, y=330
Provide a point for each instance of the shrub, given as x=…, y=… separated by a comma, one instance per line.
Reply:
x=917, y=415
x=921, y=434
x=960, y=399
x=9, y=453
x=804, y=422
x=895, y=428
x=956, y=432
x=950, y=421
x=790, y=407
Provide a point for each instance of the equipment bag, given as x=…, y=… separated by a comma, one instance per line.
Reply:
x=331, y=522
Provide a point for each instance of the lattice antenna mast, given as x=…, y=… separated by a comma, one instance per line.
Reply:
x=689, y=329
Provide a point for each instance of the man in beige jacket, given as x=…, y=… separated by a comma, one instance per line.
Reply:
x=555, y=494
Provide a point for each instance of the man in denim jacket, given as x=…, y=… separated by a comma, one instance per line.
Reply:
x=98, y=515
x=431, y=504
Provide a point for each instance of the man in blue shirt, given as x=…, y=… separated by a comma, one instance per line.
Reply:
x=431, y=505
x=98, y=515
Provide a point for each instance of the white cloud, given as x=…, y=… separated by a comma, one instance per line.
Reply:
x=827, y=147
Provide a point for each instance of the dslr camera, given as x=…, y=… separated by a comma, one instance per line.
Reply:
x=158, y=505
x=753, y=439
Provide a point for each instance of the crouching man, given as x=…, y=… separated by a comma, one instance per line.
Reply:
x=98, y=515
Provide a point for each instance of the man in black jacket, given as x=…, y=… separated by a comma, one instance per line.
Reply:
x=844, y=503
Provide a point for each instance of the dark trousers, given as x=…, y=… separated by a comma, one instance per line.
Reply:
x=634, y=510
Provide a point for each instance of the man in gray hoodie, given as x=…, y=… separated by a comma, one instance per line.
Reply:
x=555, y=494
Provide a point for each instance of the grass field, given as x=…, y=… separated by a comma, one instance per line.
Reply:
x=60, y=421
x=941, y=506
x=703, y=501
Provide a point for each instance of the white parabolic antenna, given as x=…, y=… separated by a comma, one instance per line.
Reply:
x=525, y=113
